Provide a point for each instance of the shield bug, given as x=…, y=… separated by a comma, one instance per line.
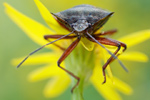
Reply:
x=83, y=21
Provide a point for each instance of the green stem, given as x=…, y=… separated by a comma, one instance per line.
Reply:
x=78, y=92
x=80, y=62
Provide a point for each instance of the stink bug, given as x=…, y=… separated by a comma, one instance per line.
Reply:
x=83, y=21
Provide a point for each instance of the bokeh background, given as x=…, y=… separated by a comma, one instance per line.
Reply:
x=130, y=16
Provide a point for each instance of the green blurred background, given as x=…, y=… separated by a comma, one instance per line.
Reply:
x=130, y=16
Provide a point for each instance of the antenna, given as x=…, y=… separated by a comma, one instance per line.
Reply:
x=40, y=49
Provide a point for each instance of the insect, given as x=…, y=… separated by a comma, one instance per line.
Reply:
x=83, y=21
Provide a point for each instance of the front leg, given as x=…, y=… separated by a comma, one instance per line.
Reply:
x=63, y=57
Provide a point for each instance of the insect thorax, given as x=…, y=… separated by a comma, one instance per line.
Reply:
x=80, y=18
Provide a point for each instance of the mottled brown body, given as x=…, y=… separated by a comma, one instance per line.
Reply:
x=83, y=18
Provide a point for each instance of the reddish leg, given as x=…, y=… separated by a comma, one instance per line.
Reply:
x=111, y=42
x=56, y=37
x=64, y=55
x=110, y=32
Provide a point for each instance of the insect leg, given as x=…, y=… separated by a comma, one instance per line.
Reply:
x=124, y=46
x=64, y=55
x=111, y=42
x=110, y=32
x=58, y=36
x=46, y=37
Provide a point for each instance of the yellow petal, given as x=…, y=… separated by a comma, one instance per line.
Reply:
x=50, y=20
x=110, y=73
x=122, y=87
x=136, y=38
x=88, y=45
x=106, y=89
x=134, y=56
x=56, y=86
x=44, y=58
x=33, y=29
x=46, y=72
x=97, y=75
x=107, y=92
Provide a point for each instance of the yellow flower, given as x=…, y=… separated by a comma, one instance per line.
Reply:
x=59, y=80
